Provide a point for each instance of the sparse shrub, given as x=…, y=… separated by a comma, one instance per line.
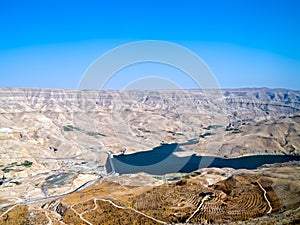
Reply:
x=7, y=169
x=144, y=130
x=91, y=133
x=71, y=128
x=211, y=127
x=26, y=163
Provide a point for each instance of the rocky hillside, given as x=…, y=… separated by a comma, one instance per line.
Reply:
x=53, y=141
x=69, y=123
x=72, y=121
x=264, y=196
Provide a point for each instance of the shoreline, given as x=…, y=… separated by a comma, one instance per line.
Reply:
x=190, y=153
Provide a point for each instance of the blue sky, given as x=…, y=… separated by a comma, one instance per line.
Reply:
x=50, y=43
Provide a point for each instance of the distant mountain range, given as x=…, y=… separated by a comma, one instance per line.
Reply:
x=140, y=120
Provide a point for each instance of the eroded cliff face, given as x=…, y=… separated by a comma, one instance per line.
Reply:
x=53, y=141
x=70, y=122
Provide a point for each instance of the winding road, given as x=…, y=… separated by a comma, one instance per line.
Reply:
x=265, y=196
x=115, y=205
x=86, y=184
x=206, y=197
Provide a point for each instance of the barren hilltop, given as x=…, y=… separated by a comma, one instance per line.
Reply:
x=55, y=141
x=73, y=121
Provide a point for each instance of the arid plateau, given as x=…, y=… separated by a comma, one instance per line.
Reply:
x=56, y=146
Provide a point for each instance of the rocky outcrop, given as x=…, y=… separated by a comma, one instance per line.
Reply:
x=55, y=206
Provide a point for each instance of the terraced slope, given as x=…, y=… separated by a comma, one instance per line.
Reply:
x=243, y=196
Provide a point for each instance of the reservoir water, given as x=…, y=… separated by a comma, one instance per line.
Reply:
x=162, y=160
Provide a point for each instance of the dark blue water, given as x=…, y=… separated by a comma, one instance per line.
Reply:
x=161, y=160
